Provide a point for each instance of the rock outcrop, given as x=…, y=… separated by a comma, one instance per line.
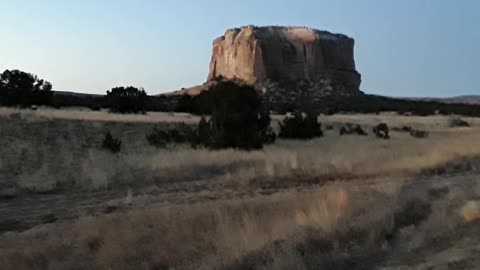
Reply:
x=284, y=59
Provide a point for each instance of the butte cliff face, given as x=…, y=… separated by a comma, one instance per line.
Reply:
x=283, y=59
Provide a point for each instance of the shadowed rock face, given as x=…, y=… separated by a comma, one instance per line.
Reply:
x=284, y=57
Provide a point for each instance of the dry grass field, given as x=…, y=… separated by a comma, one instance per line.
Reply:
x=336, y=202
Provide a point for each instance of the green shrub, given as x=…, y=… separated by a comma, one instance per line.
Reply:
x=300, y=127
x=237, y=120
x=111, y=144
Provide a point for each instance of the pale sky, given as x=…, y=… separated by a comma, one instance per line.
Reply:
x=403, y=48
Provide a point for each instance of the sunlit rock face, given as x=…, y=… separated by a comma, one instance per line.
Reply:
x=286, y=60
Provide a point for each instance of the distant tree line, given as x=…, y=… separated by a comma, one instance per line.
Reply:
x=199, y=104
x=18, y=88
x=377, y=104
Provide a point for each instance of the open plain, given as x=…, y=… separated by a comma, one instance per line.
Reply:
x=336, y=202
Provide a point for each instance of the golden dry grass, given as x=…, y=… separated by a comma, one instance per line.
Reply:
x=42, y=152
x=199, y=209
x=266, y=231
x=197, y=236
x=89, y=115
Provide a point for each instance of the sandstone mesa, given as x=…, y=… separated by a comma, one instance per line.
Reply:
x=284, y=59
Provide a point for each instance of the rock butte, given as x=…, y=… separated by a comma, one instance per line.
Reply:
x=276, y=58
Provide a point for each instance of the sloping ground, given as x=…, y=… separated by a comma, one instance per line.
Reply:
x=380, y=223
x=192, y=91
x=27, y=211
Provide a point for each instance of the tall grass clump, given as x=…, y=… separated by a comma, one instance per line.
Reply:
x=111, y=144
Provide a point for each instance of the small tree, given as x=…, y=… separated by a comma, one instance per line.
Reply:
x=237, y=120
x=127, y=100
x=24, y=89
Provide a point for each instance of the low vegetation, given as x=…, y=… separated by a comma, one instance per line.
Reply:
x=416, y=133
x=458, y=122
x=34, y=146
x=350, y=129
x=382, y=131
x=111, y=144
x=301, y=126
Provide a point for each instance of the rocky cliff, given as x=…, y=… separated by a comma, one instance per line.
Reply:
x=283, y=59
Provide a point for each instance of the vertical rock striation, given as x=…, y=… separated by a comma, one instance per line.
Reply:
x=287, y=59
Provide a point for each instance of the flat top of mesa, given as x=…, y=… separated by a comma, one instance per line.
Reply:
x=300, y=31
